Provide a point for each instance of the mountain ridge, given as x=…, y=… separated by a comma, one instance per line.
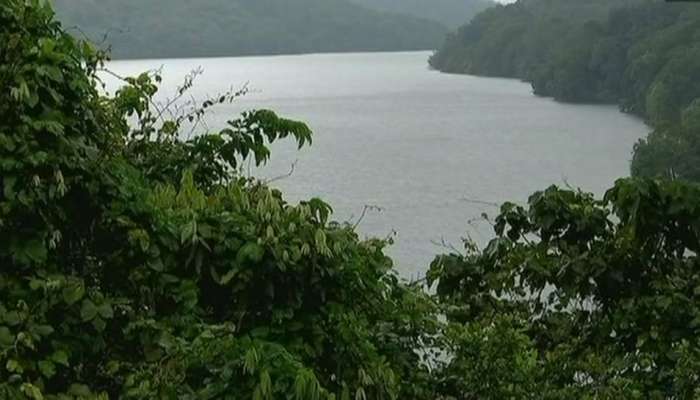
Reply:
x=451, y=13
x=177, y=28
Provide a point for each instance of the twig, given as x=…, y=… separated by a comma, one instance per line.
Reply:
x=86, y=37
x=364, y=213
x=485, y=203
x=285, y=176
x=446, y=245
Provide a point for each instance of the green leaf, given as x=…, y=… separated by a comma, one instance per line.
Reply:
x=265, y=384
x=36, y=284
x=226, y=278
x=250, y=362
x=105, y=310
x=12, y=318
x=36, y=251
x=8, y=189
x=320, y=239
x=88, y=311
x=73, y=293
x=166, y=341
x=60, y=357
x=99, y=324
x=157, y=265
x=188, y=232
x=6, y=337
x=43, y=330
x=32, y=391
x=13, y=366
x=251, y=251
x=47, y=368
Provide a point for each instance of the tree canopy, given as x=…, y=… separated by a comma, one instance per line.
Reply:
x=579, y=298
x=180, y=28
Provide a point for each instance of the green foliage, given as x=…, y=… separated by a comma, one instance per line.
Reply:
x=519, y=39
x=139, y=265
x=579, y=298
x=136, y=264
x=491, y=361
x=643, y=55
x=179, y=28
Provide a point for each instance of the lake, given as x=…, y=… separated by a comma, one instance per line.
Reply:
x=432, y=151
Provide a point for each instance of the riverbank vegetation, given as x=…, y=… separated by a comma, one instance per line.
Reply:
x=641, y=54
x=136, y=264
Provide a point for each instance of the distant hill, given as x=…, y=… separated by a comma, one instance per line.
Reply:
x=451, y=13
x=546, y=41
x=641, y=54
x=182, y=28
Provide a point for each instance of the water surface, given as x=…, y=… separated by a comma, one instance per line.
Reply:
x=431, y=150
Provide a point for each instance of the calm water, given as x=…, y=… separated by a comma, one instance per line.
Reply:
x=391, y=133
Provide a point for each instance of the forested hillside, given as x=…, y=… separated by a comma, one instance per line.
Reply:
x=451, y=13
x=180, y=28
x=641, y=54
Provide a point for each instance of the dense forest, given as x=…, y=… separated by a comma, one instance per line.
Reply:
x=641, y=54
x=137, y=264
x=179, y=28
x=451, y=13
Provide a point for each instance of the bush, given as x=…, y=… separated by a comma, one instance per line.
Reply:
x=580, y=298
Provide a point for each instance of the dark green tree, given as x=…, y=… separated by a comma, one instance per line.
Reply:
x=579, y=298
x=138, y=265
